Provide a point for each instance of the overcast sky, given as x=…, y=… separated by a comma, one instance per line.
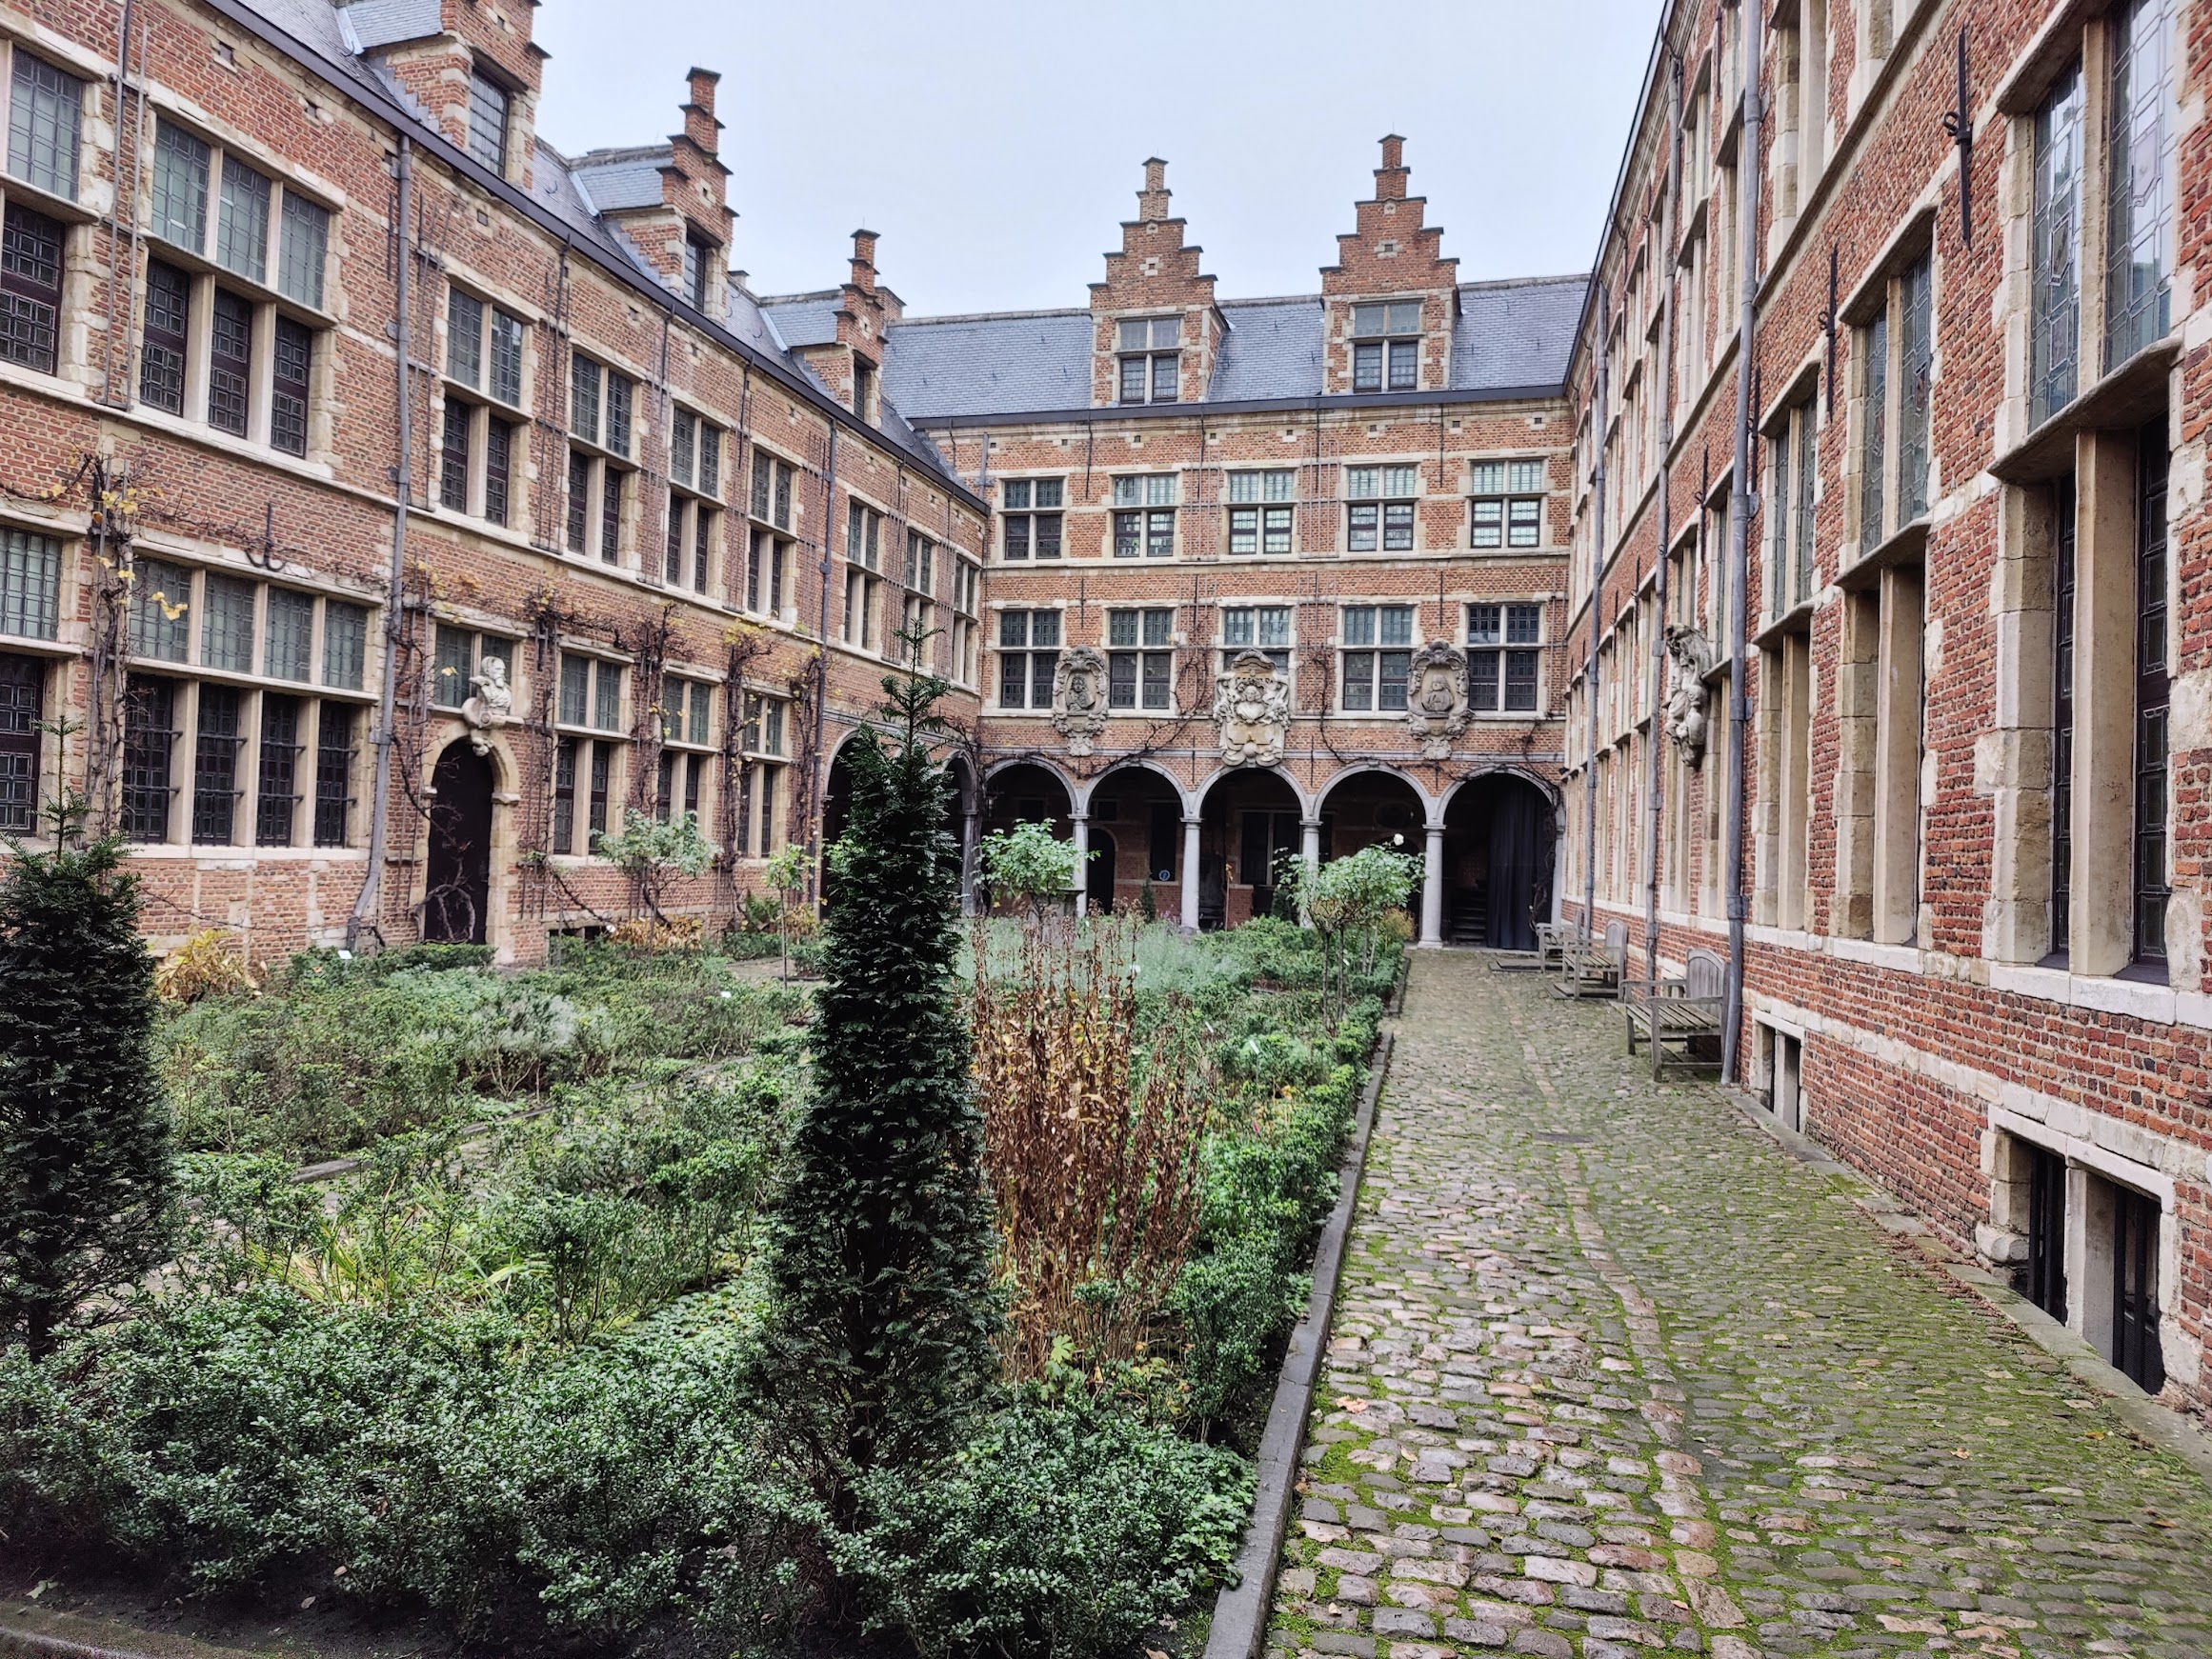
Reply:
x=997, y=144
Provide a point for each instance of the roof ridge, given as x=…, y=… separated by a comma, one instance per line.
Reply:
x=612, y=154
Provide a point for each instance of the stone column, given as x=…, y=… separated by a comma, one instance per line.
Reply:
x=1309, y=849
x=968, y=839
x=1433, y=891
x=1188, y=917
x=1080, y=824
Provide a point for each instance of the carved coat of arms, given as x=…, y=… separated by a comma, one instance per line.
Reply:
x=1252, y=708
x=1079, y=697
x=1435, y=697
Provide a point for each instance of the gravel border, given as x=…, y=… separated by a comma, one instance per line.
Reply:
x=1241, y=1611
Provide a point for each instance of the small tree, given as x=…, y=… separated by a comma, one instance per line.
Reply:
x=85, y=1174
x=884, y=1321
x=786, y=873
x=654, y=852
x=1030, y=863
x=1346, y=899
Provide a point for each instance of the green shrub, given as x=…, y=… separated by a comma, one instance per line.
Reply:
x=241, y=1437
x=1064, y=1530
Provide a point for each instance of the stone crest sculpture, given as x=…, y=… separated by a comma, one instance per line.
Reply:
x=1689, y=660
x=1435, y=699
x=490, y=703
x=1079, y=697
x=1252, y=708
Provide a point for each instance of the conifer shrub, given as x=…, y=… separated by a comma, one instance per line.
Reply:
x=884, y=1316
x=84, y=1180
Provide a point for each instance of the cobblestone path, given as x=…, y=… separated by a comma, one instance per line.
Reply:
x=1612, y=1373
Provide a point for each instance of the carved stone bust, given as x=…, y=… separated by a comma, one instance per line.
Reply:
x=1079, y=697
x=1689, y=660
x=1252, y=708
x=1435, y=697
x=490, y=703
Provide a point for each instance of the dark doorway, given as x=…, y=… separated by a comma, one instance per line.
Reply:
x=458, y=890
x=2046, y=1236
x=1498, y=857
x=2135, y=1289
x=1099, y=879
x=1267, y=838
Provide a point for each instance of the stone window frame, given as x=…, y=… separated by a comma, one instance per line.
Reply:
x=1375, y=331
x=1790, y=505
x=1391, y=503
x=1504, y=648
x=692, y=553
x=1022, y=504
x=1881, y=787
x=599, y=469
x=762, y=772
x=190, y=676
x=1146, y=515
x=269, y=299
x=491, y=118
x=772, y=509
x=483, y=474
x=1036, y=660
x=1517, y=500
x=1377, y=668
x=591, y=752
x=1144, y=662
x=1283, y=653
x=860, y=625
x=1890, y=483
x=28, y=207
x=917, y=574
x=966, y=630
x=690, y=744
x=1265, y=516
x=1151, y=357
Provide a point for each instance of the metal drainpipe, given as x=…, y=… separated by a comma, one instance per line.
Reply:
x=366, y=905
x=822, y=692
x=1596, y=589
x=1666, y=443
x=1740, y=508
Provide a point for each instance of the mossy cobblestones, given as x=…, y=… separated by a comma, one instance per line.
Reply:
x=1611, y=1374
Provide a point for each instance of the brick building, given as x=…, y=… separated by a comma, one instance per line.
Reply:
x=330, y=386
x=1947, y=539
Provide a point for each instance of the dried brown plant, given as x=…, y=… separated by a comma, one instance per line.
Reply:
x=1094, y=1150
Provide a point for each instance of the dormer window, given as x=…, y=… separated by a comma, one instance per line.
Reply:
x=1150, y=362
x=488, y=102
x=1386, y=347
x=864, y=391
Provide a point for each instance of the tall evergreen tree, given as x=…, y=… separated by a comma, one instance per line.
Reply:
x=85, y=1181
x=885, y=1313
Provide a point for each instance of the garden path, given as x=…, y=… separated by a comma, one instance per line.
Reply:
x=1610, y=1372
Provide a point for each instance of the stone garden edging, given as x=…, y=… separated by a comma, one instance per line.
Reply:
x=1241, y=1611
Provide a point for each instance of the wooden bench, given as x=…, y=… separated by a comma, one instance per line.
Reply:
x=1593, y=968
x=1551, y=939
x=1675, y=1015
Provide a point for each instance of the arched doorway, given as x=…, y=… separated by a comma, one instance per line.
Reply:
x=456, y=901
x=1376, y=809
x=1025, y=792
x=1136, y=834
x=1250, y=821
x=1498, y=846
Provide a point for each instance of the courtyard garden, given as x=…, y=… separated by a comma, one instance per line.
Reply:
x=637, y=1300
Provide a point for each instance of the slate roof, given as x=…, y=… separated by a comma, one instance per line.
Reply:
x=385, y=22
x=1510, y=336
x=1007, y=363
x=617, y=179
x=804, y=319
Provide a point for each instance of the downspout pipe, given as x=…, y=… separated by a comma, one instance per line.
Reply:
x=1741, y=504
x=1598, y=422
x=366, y=905
x=1655, y=735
